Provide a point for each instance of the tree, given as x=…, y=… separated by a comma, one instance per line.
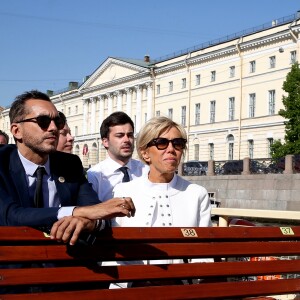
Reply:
x=291, y=113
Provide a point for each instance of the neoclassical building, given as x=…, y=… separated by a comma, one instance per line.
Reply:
x=226, y=93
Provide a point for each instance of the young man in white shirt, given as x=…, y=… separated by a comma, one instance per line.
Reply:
x=117, y=134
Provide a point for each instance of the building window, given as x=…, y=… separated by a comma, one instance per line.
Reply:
x=196, y=151
x=69, y=110
x=272, y=102
x=293, y=57
x=183, y=115
x=251, y=105
x=170, y=113
x=272, y=61
x=231, y=108
x=158, y=89
x=76, y=130
x=232, y=71
x=212, y=111
x=230, y=141
x=197, y=114
x=157, y=113
x=213, y=76
x=76, y=109
x=270, y=143
x=211, y=151
x=198, y=77
x=146, y=117
x=252, y=66
x=170, y=86
x=183, y=83
x=251, y=148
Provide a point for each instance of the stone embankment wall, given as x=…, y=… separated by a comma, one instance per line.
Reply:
x=257, y=191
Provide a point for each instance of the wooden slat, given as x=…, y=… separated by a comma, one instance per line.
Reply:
x=19, y=234
x=39, y=253
x=190, y=250
x=199, y=291
x=37, y=276
x=146, y=251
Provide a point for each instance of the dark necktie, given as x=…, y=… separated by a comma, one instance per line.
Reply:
x=125, y=172
x=38, y=196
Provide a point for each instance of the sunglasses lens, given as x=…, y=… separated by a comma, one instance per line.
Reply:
x=43, y=121
x=59, y=122
x=162, y=143
x=179, y=144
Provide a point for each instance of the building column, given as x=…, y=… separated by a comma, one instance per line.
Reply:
x=101, y=109
x=139, y=90
x=119, y=100
x=149, y=100
x=110, y=103
x=85, y=115
x=93, y=114
x=128, y=101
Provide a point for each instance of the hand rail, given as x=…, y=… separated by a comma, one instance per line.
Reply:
x=224, y=214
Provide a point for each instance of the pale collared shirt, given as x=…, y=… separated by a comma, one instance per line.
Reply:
x=50, y=195
x=105, y=175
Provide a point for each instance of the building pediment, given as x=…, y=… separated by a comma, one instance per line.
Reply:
x=114, y=69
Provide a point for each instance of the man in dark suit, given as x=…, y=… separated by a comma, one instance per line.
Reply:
x=68, y=202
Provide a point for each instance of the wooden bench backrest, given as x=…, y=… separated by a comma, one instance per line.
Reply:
x=23, y=245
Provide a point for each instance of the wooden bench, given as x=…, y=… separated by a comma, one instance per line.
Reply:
x=77, y=266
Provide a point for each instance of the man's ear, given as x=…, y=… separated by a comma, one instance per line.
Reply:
x=105, y=142
x=15, y=131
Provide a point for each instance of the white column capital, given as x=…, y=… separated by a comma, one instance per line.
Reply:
x=149, y=84
x=139, y=87
x=128, y=90
x=93, y=99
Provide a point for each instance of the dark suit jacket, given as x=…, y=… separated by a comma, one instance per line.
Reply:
x=16, y=207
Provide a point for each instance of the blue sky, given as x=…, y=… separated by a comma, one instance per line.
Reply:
x=47, y=43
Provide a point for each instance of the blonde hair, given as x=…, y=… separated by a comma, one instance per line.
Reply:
x=152, y=130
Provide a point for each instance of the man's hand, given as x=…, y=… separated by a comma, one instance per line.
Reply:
x=116, y=207
x=69, y=228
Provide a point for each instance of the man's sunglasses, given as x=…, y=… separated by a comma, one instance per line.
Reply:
x=163, y=143
x=44, y=121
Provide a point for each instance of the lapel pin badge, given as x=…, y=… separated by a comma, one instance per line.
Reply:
x=61, y=179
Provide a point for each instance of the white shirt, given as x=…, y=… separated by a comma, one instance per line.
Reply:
x=105, y=175
x=50, y=195
x=178, y=203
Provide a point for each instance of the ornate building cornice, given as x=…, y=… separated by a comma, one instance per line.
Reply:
x=230, y=48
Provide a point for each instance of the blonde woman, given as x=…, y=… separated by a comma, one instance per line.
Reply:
x=163, y=199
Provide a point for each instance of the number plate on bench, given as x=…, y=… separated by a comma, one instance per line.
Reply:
x=186, y=232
